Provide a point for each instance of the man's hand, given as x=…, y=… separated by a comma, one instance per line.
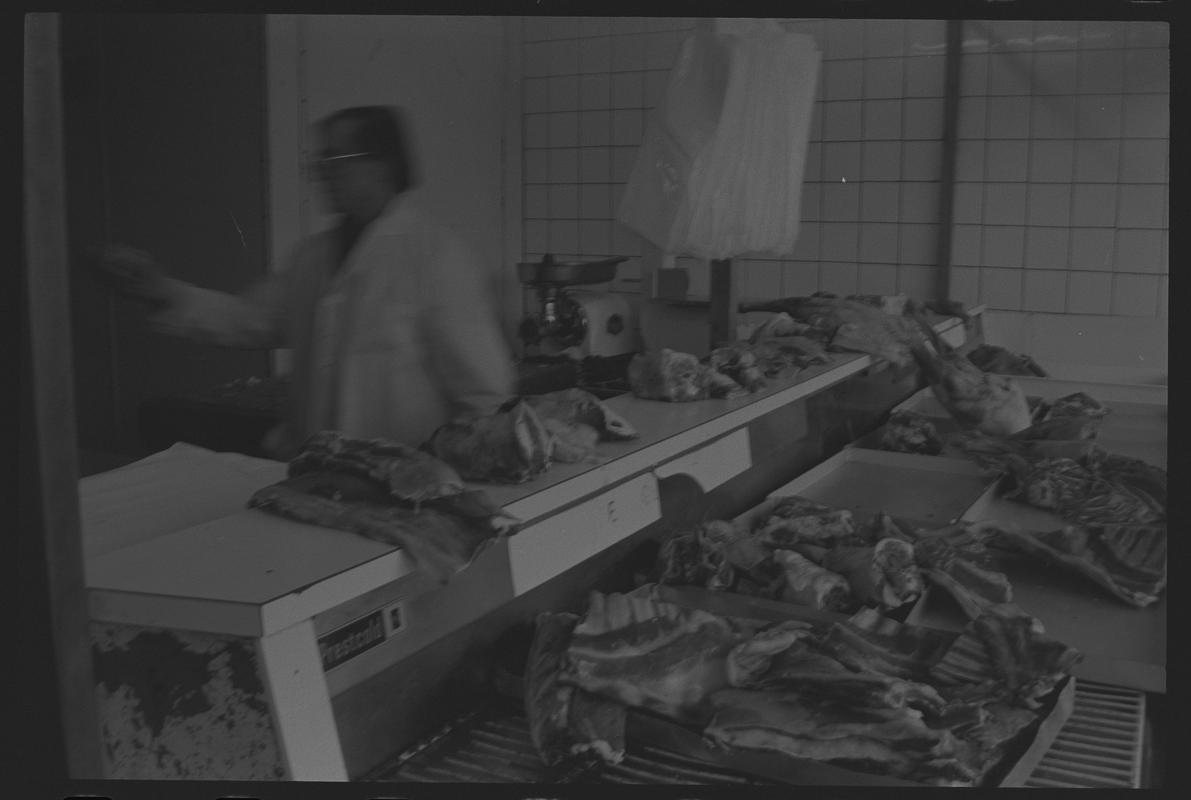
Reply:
x=131, y=272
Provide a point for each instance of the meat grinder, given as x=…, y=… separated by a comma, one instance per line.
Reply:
x=574, y=317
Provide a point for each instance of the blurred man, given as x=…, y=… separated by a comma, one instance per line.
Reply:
x=388, y=312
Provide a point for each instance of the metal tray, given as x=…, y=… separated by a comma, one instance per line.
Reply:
x=923, y=491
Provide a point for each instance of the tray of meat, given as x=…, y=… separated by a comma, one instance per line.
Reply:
x=796, y=695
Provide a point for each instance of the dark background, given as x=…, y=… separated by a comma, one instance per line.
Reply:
x=165, y=150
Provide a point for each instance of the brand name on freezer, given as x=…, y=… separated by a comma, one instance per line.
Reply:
x=347, y=642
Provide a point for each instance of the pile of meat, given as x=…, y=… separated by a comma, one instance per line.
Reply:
x=730, y=371
x=869, y=324
x=527, y=434
x=865, y=694
x=391, y=493
x=799, y=551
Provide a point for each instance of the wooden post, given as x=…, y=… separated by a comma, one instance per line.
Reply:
x=723, y=302
x=49, y=508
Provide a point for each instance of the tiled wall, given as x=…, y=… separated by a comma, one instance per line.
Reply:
x=1061, y=196
x=1062, y=167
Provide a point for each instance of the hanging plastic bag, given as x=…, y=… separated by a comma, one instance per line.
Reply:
x=719, y=173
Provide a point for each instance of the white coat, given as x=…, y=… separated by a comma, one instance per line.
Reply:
x=403, y=338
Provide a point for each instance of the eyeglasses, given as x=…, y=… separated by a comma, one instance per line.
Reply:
x=326, y=163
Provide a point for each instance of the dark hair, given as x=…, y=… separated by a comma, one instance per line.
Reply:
x=380, y=130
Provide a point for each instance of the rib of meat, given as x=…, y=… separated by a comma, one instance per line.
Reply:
x=510, y=446
x=884, y=574
x=972, y=586
x=1077, y=404
x=892, y=742
x=751, y=659
x=1007, y=656
x=1127, y=560
x=566, y=722
x=642, y=652
x=809, y=584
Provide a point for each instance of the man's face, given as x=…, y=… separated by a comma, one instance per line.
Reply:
x=353, y=180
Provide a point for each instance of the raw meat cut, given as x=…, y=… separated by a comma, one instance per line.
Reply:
x=405, y=472
x=566, y=722
x=510, y=446
x=994, y=404
x=669, y=375
x=810, y=585
x=907, y=432
x=645, y=653
x=884, y=574
x=575, y=406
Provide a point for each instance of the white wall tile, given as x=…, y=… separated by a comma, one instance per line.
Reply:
x=918, y=244
x=627, y=127
x=564, y=58
x=925, y=36
x=1141, y=205
x=973, y=74
x=1141, y=251
x=1001, y=288
x=841, y=120
x=967, y=203
x=628, y=90
x=1144, y=161
x=1147, y=116
x=1047, y=248
x=800, y=279
x=1003, y=245
x=1097, y=160
x=1094, y=205
x=877, y=279
x=964, y=285
x=1147, y=70
x=564, y=129
x=841, y=278
x=628, y=52
x=1056, y=34
x=535, y=59
x=537, y=236
x=1102, y=33
x=1149, y=34
x=844, y=39
x=536, y=165
x=1004, y=203
x=1007, y=159
x=535, y=29
x=595, y=128
x=1045, y=290
x=595, y=201
x=810, y=201
x=841, y=201
x=813, y=168
x=1135, y=295
x=841, y=160
x=564, y=236
x=878, y=242
x=1099, y=116
x=595, y=237
x=919, y=202
x=1052, y=117
x=922, y=161
x=564, y=165
x=1055, y=73
x=564, y=93
x=1008, y=117
x=595, y=164
x=883, y=38
x=562, y=27
x=925, y=76
x=1089, y=292
x=536, y=132
x=1010, y=73
x=1092, y=248
x=879, y=202
x=655, y=87
x=881, y=161
x=922, y=119
x=595, y=91
x=595, y=54
x=1011, y=35
x=838, y=240
x=967, y=245
x=1049, y=204
x=1052, y=161
x=969, y=160
x=537, y=201
x=536, y=94
x=917, y=281
x=843, y=80
x=623, y=159
x=806, y=246
x=883, y=119
x=1101, y=71
x=564, y=201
